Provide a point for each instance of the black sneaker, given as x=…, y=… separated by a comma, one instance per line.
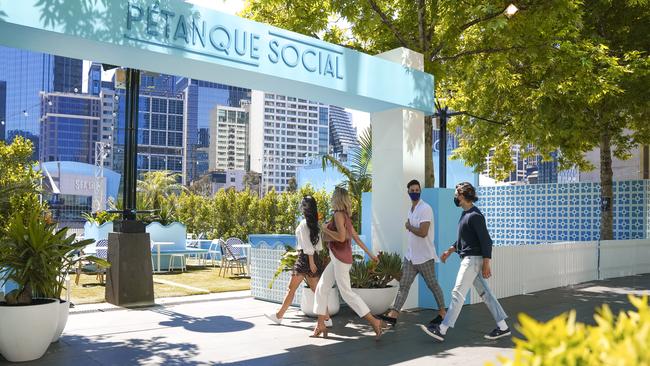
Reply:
x=498, y=333
x=436, y=321
x=433, y=331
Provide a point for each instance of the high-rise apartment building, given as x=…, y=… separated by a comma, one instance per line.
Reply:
x=70, y=126
x=110, y=109
x=285, y=131
x=228, y=138
x=342, y=136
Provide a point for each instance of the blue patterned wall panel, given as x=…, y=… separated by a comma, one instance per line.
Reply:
x=543, y=213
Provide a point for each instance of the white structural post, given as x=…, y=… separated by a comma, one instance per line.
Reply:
x=397, y=157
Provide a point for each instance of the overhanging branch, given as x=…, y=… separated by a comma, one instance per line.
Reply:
x=388, y=23
x=477, y=52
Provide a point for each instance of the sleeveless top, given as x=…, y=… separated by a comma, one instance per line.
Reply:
x=342, y=250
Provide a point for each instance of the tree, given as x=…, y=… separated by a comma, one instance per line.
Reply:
x=590, y=93
x=358, y=175
x=19, y=187
x=202, y=186
x=449, y=34
x=252, y=181
x=292, y=185
x=157, y=186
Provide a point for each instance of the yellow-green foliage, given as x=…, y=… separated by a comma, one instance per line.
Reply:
x=230, y=213
x=622, y=340
x=18, y=181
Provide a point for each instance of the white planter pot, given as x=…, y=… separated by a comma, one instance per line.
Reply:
x=377, y=299
x=307, y=302
x=64, y=310
x=27, y=331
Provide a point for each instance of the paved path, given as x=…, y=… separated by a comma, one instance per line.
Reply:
x=230, y=329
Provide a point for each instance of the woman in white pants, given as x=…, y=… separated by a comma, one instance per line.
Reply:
x=338, y=232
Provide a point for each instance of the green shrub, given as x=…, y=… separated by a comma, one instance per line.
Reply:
x=100, y=217
x=368, y=274
x=614, y=340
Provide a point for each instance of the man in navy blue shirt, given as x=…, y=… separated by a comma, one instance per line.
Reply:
x=474, y=246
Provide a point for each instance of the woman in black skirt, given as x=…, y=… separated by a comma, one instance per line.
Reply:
x=308, y=266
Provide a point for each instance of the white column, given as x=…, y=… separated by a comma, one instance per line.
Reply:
x=397, y=157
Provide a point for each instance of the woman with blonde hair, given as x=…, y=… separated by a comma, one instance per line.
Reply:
x=338, y=232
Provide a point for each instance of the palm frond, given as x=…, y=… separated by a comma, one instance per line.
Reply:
x=361, y=158
x=328, y=159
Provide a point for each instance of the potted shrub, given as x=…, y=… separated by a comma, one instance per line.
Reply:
x=67, y=256
x=31, y=254
x=372, y=281
x=307, y=297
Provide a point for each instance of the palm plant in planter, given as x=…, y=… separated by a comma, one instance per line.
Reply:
x=372, y=280
x=33, y=254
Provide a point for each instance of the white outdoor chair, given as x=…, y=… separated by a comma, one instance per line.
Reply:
x=214, y=250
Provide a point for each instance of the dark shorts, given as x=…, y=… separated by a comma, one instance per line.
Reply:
x=301, y=267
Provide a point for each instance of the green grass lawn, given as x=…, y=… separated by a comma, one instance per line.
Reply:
x=206, y=278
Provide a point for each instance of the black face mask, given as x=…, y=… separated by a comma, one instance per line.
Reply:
x=456, y=202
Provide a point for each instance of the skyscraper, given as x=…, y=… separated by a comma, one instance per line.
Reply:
x=67, y=74
x=160, y=126
x=95, y=79
x=27, y=74
x=201, y=97
x=69, y=127
x=285, y=131
x=343, y=137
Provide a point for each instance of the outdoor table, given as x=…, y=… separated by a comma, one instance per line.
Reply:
x=197, y=244
x=157, y=244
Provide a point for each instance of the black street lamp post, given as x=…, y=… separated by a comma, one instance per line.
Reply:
x=443, y=114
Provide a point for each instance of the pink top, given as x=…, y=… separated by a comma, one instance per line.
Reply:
x=342, y=250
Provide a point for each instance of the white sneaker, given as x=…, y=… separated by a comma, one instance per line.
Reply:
x=274, y=318
x=328, y=323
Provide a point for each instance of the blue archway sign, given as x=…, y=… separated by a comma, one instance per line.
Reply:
x=179, y=38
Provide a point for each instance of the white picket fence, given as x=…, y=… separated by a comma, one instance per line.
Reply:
x=522, y=269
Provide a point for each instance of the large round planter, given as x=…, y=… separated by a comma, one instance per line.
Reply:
x=64, y=310
x=307, y=302
x=377, y=299
x=27, y=331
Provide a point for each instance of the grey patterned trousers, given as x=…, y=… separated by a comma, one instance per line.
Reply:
x=409, y=272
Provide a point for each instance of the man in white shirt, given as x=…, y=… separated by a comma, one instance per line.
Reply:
x=420, y=256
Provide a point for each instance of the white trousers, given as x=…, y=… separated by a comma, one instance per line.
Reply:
x=339, y=272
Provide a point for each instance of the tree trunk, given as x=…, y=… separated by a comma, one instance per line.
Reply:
x=429, y=177
x=606, y=194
